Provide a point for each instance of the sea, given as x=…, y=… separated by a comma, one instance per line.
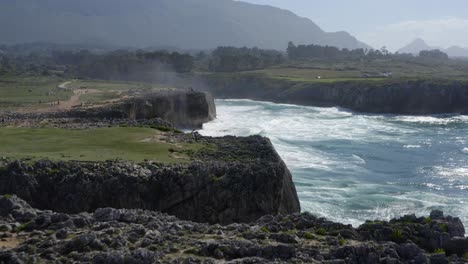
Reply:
x=350, y=167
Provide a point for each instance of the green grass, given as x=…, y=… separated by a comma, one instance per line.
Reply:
x=109, y=86
x=104, y=85
x=352, y=70
x=439, y=251
x=91, y=145
x=94, y=98
x=18, y=91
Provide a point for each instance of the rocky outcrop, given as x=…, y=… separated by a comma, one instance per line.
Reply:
x=416, y=97
x=110, y=235
x=178, y=108
x=185, y=109
x=234, y=180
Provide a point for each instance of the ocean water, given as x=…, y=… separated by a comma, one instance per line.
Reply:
x=350, y=167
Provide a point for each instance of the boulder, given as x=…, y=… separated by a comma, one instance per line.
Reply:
x=11, y=205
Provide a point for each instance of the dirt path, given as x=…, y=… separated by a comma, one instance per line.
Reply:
x=74, y=100
x=64, y=85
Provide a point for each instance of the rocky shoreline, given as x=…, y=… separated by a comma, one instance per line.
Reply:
x=406, y=97
x=137, y=236
x=235, y=202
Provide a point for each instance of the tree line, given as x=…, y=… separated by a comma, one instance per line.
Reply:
x=305, y=52
x=231, y=59
x=150, y=65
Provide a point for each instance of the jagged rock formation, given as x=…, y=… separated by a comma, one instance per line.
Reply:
x=418, y=97
x=136, y=236
x=236, y=180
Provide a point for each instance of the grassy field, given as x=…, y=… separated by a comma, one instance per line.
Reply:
x=17, y=91
x=96, y=98
x=112, y=86
x=336, y=71
x=104, y=85
x=133, y=144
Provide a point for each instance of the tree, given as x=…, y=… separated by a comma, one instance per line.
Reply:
x=434, y=54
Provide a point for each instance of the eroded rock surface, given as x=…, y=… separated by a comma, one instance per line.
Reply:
x=110, y=235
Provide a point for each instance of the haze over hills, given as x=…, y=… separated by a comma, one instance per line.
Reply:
x=186, y=24
x=418, y=45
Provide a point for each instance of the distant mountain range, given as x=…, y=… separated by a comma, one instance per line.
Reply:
x=185, y=24
x=418, y=45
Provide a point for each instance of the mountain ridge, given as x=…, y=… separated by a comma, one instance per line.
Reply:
x=419, y=44
x=186, y=24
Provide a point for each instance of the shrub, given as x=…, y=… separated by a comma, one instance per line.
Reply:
x=427, y=220
x=163, y=128
x=308, y=235
x=444, y=227
x=397, y=236
x=341, y=241
x=264, y=229
x=22, y=227
x=439, y=251
x=321, y=231
x=465, y=256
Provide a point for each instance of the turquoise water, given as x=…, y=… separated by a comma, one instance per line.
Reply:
x=349, y=167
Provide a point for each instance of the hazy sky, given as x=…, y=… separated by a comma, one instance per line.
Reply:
x=393, y=23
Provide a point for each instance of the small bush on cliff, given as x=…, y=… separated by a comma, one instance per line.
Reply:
x=166, y=129
x=444, y=227
x=341, y=241
x=465, y=256
x=439, y=251
x=264, y=229
x=308, y=235
x=321, y=231
x=23, y=227
x=397, y=236
x=427, y=220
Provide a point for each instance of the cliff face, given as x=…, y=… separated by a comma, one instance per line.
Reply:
x=184, y=109
x=395, y=97
x=215, y=190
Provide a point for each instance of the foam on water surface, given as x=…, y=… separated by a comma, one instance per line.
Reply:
x=351, y=167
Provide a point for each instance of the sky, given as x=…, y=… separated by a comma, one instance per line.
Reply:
x=392, y=23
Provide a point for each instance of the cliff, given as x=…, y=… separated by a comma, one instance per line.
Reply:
x=412, y=97
x=184, y=109
x=111, y=235
x=235, y=180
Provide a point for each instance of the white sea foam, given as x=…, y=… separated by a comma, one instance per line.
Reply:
x=412, y=146
x=350, y=167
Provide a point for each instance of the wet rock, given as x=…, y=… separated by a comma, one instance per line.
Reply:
x=436, y=214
